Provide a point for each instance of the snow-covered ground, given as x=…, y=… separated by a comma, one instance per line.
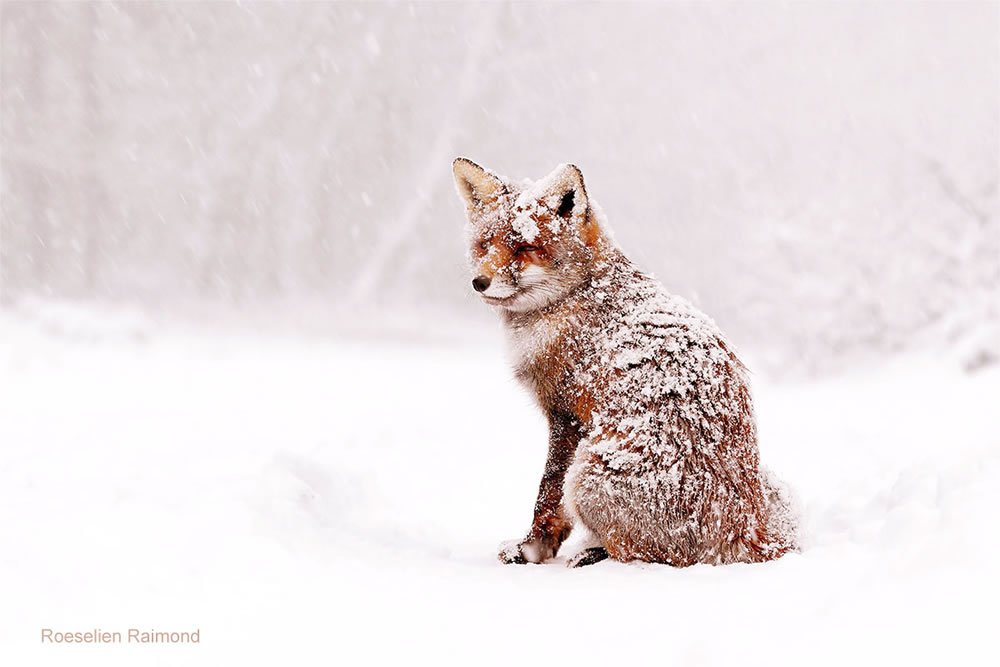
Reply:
x=304, y=501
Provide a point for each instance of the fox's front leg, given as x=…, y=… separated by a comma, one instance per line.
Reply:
x=551, y=525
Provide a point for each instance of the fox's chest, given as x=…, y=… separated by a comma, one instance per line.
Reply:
x=547, y=359
x=530, y=343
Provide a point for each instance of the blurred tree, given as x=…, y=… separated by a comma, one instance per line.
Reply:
x=25, y=235
x=95, y=140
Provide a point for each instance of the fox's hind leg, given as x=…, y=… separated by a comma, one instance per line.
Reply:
x=593, y=499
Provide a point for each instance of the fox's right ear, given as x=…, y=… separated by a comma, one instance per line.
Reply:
x=475, y=185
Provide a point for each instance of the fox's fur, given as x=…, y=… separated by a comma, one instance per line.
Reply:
x=652, y=437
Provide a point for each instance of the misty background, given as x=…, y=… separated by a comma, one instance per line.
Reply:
x=821, y=178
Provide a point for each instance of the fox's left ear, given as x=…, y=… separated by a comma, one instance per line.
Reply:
x=564, y=191
x=475, y=184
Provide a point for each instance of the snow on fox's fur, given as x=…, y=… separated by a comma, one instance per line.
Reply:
x=652, y=437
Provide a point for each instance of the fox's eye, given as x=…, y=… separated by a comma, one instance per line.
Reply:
x=526, y=248
x=483, y=245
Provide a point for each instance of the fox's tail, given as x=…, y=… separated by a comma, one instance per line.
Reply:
x=784, y=512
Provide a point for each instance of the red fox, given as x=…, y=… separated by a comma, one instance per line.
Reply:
x=652, y=435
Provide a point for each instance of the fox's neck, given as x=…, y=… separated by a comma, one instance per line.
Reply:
x=607, y=262
x=546, y=345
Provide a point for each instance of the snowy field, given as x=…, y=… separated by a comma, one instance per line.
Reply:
x=304, y=501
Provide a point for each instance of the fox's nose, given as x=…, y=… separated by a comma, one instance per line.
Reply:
x=480, y=283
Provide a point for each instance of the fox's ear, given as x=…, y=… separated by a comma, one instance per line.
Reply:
x=475, y=184
x=564, y=191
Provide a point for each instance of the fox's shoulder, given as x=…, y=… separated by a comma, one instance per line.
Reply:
x=645, y=305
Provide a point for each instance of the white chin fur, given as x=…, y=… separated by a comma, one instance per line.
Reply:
x=498, y=290
x=531, y=298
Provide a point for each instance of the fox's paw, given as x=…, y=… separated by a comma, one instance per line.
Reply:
x=525, y=551
x=510, y=552
x=587, y=557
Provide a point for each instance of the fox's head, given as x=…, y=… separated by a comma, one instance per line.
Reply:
x=531, y=244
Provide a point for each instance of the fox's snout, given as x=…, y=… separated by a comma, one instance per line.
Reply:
x=481, y=283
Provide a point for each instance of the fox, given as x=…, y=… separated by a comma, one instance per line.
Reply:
x=652, y=445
